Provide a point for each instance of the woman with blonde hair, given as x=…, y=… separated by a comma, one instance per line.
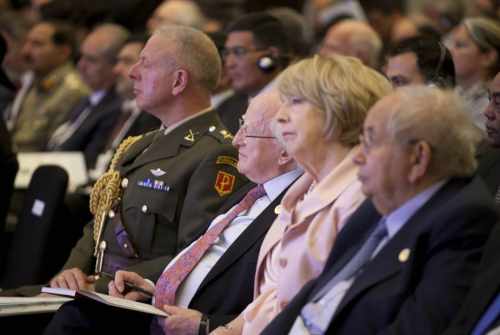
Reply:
x=475, y=47
x=324, y=104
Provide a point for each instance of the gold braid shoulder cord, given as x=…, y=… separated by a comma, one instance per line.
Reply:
x=107, y=191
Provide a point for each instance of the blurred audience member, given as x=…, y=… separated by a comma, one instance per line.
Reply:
x=475, y=47
x=384, y=16
x=420, y=60
x=489, y=152
x=300, y=33
x=445, y=14
x=52, y=90
x=183, y=12
x=256, y=51
x=14, y=29
x=89, y=124
x=353, y=38
x=492, y=112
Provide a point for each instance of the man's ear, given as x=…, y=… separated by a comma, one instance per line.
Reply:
x=420, y=161
x=181, y=79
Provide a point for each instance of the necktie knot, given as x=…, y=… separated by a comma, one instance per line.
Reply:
x=252, y=196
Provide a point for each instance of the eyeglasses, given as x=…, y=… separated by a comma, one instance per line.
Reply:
x=238, y=52
x=244, y=130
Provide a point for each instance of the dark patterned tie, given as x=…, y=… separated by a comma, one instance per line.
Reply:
x=170, y=280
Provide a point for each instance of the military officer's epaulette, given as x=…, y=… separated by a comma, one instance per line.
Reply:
x=221, y=134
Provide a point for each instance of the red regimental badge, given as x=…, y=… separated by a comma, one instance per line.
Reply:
x=224, y=183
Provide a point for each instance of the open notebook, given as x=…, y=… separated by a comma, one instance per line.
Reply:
x=106, y=299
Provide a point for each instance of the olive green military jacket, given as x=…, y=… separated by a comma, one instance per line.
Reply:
x=45, y=106
x=173, y=186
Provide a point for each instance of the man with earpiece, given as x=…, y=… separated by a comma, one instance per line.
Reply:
x=420, y=60
x=256, y=51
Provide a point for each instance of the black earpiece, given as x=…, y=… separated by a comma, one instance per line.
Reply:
x=267, y=63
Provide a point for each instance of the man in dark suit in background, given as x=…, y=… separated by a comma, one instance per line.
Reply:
x=90, y=122
x=221, y=284
x=407, y=257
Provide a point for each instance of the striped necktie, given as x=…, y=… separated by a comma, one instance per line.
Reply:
x=171, y=279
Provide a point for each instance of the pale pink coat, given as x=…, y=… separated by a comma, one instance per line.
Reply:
x=299, y=241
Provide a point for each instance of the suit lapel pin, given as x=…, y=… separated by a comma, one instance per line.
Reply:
x=157, y=172
x=277, y=210
x=189, y=136
x=404, y=255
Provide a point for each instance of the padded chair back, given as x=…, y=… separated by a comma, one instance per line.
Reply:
x=29, y=257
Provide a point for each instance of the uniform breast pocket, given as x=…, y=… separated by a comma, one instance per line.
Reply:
x=150, y=217
x=150, y=202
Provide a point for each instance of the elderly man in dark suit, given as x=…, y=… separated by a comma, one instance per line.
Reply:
x=221, y=284
x=407, y=257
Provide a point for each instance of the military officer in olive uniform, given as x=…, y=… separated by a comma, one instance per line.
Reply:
x=162, y=187
x=51, y=89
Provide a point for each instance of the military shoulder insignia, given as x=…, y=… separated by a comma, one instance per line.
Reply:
x=226, y=134
x=224, y=183
x=227, y=160
x=190, y=136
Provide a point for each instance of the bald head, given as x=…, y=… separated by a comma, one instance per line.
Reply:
x=183, y=12
x=353, y=38
x=98, y=55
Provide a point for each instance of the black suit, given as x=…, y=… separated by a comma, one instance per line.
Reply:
x=485, y=289
x=417, y=295
x=92, y=135
x=223, y=294
x=489, y=167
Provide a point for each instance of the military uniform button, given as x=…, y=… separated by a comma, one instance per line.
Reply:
x=144, y=208
x=212, y=129
x=111, y=214
x=124, y=182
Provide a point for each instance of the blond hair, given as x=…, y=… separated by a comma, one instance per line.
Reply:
x=341, y=87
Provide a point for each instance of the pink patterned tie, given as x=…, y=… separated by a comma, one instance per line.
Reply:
x=170, y=280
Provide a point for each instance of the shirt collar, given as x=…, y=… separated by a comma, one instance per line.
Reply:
x=96, y=97
x=278, y=184
x=169, y=128
x=397, y=219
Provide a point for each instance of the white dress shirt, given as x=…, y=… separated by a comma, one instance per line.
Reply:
x=190, y=285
